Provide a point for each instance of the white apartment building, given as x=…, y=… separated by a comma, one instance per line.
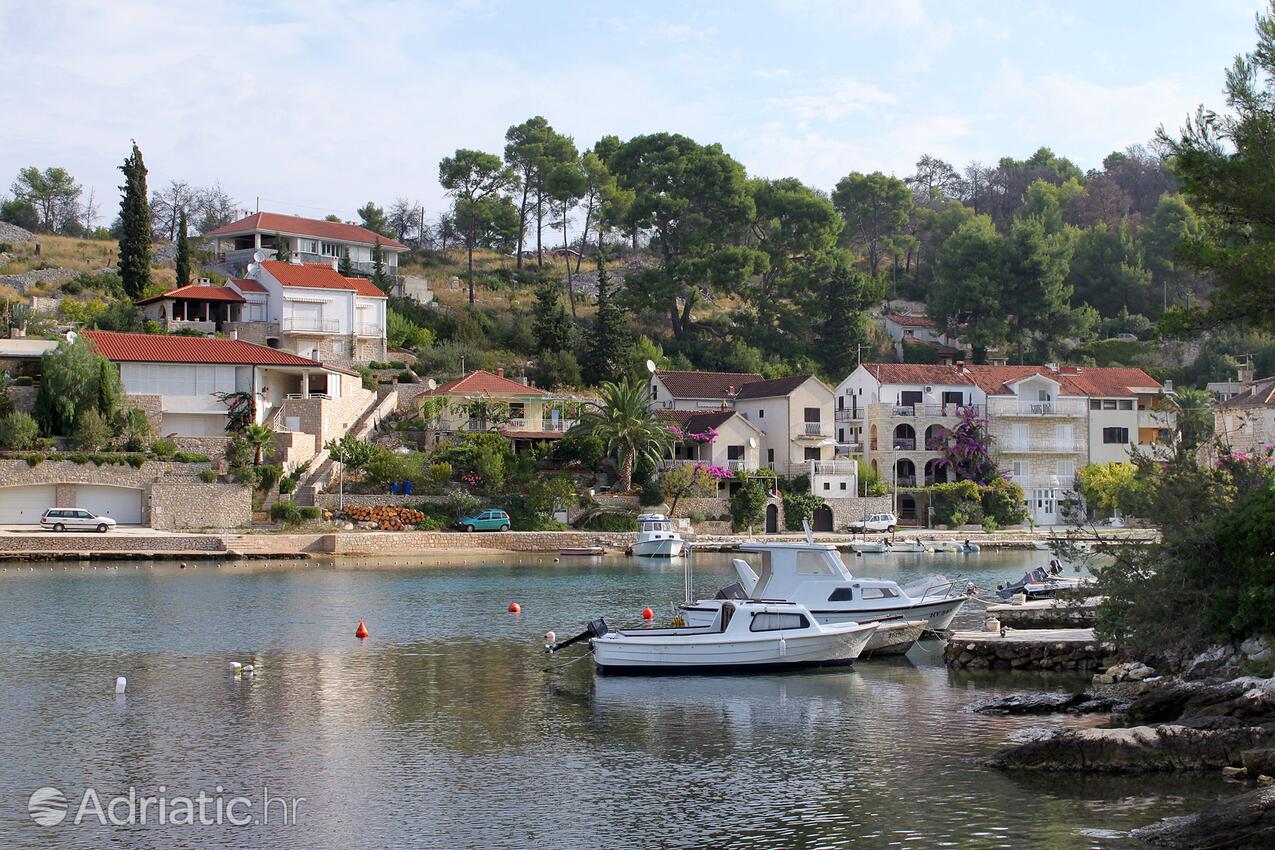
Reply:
x=1046, y=421
x=305, y=240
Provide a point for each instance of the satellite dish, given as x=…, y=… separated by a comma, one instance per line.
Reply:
x=258, y=256
x=253, y=268
x=752, y=442
x=71, y=336
x=432, y=384
x=650, y=366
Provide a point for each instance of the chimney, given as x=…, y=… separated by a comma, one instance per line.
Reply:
x=1245, y=374
x=234, y=333
x=522, y=379
x=730, y=390
x=294, y=258
x=334, y=264
x=500, y=372
x=1053, y=367
x=1168, y=387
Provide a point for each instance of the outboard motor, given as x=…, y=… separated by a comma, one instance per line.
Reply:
x=596, y=629
x=732, y=591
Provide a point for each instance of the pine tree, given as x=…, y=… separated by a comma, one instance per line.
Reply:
x=549, y=320
x=847, y=294
x=281, y=248
x=135, y=226
x=345, y=267
x=609, y=337
x=183, y=251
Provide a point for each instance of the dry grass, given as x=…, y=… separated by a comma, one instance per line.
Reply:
x=64, y=252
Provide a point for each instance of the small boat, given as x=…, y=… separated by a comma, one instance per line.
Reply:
x=944, y=546
x=970, y=548
x=894, y=637
x=1040, y=583
x=870, y=546
x=814, y=575
x=744, y=636
x=656, y=538
x=582, y=551
x=908, y=546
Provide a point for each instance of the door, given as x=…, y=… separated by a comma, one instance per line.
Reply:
x=772, y=518
x=122, y=504
x=26, y=504
x=823, y=518
x=1046, y=507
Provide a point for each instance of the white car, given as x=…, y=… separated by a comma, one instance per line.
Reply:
x=876, y=522
x=63, y=519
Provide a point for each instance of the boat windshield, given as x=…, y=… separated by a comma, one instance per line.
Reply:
x=657, y=526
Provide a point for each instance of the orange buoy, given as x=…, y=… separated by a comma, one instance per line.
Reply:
x=648, y=614
x=515, y=608
x=361, y=631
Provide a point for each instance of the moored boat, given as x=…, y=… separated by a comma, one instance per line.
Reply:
x=656, y=538
x=744, y=636
x=908, y=546
x=870, y=546
x=582, y=551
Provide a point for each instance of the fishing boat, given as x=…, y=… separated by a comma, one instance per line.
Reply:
x=814, y=575
x=870, y=546
x=894, y=637
x=1041, y=583
x=656, y=538
x=582, y=551
x=744, y=636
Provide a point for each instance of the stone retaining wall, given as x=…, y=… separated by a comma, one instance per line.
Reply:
x=189, y=505
x=376, y=543
x=54, y=543
x=23, y=398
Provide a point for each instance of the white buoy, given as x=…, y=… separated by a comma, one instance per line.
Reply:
x=235, y=665
x=248, y=668
x=120, y=684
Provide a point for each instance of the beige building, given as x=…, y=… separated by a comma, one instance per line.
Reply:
x=481, y=401
x=1245, y=422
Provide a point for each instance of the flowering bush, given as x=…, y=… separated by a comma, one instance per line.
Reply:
x=684, y=436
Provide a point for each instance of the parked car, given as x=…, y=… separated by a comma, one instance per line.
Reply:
x=62, y=519
x=876, y=522
x=489, y=520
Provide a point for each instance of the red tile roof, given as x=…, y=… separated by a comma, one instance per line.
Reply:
x=319, y=276
x=696, y=420
x=995, y=380
x=909, y=321
x=156, y=348
x=479, y=382
x=295, y=225
x=917, y=373
x=247, y=284
x=773, y=388
x=706, y=384
x=1260, y=394
x=198, y=293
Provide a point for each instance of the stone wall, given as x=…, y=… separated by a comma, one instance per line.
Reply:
x=177, y=505
x=151, y=405
x=214, y=447
x=23, y=398
x=407, y=394
x=51, y=544
x=509, y=541
x=845, y=511
x=254, y=332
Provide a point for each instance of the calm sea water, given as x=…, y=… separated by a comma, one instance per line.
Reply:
x=450, y=728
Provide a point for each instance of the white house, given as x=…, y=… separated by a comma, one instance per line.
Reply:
x=306, y=240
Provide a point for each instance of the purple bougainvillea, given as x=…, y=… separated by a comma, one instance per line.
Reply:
x=966, y=450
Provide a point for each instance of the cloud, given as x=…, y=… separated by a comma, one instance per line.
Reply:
x=840, y=99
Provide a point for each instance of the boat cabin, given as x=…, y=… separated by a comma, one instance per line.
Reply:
x=654, y=523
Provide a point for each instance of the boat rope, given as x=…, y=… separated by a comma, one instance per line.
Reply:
x=554, y=668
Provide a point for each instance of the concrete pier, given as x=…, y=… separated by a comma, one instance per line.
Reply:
x=1029, y=649
x=1048, y=613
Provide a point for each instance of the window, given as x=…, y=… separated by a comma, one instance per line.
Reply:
x=1066, y=470
x=812, y=454
x=655, y=392
x=770, y=455
x=841, y=594
x=761, y=414
x=308, y=246
x=1115, y=435
x=1095, y=404
x=330, y=249
x=1108, y=404
x=843, y=485
x=812, y=414
x=776, y=622
x=1126, y=404
x=827, y=486
x=877, y=593
x=734, y=452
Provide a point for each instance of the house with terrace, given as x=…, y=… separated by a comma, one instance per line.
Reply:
x=267, y=235
x=1244, y=423
x=723, y=439
x=480, y=401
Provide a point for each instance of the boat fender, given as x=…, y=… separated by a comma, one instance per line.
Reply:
x=783, y=646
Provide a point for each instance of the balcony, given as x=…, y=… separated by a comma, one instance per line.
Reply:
x=905, y=444
x=1156, y=418
x=1023, y=407
x=305, y=324
x=1043, y=447
x=562, y=425
x=814, y=430
x=950, y=410
x=834, y=467
x=850, y=414
x=373, y=331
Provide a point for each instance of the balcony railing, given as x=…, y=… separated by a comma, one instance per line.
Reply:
x=933, y=411
x=303, y=324
x=905, y=444
x=844, y=449
x=370, y=330
x=849, y=414
x=1026, y=407
x=560, y=425
x=834, y=467
x=905, y=480
x=736, y=465
x=814, y=429
x=1054, y=447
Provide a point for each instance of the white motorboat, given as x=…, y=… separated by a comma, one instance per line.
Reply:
x=656, y=537
x=743, y=636
x=944, y=546
x=894, y=637
x=908, y=546
x=870, y=546
x=814, y=575
x=1041, y=583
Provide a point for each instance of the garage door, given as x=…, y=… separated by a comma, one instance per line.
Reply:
x=25, y=504
x=122, y=504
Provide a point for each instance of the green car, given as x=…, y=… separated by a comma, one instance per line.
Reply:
x=490, y=520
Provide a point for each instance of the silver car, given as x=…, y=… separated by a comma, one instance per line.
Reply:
x=61, y=519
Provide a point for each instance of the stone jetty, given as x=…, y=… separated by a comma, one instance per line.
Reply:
x=1029, y=649
x=1048, y=613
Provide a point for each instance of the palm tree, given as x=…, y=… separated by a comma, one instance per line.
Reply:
x=259, y=437
x=1195, y=415
x=625, y=426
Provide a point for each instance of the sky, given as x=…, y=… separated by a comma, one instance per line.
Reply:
x=315, y=107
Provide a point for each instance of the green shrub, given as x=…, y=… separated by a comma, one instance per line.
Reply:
x=91, y=431
x=24, y=380
x=800, y=506
x=191, y=457
x=78, y=458
x=1002, y=501
x=747, y=507
x=136, y=461
x=164, y=448
x=34, y=460
x=18, y=431
x=608, y=521
x=651, y=493
x=989, y=524
x=440, y=473
x=961, y=497
x=461, y=503
x=286, y=512
x=696, y=517
x=956, y=520
x=310, y=512
x=207, y=476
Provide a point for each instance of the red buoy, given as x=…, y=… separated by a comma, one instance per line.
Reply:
x=515, y=608
x=361, y=631
x=648, y=614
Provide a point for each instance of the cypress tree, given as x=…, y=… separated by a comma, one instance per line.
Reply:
x=609, y=336
x=345, y=267
x=281, y=248
x=183, y=251
x=549, y=320
x=378, y=268
x=135, y=226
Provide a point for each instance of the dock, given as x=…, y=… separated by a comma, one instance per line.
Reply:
x=1048, y=613
x=1029, y=649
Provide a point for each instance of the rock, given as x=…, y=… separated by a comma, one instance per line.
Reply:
x=1257, y=649
x=1130, y=671
x=24, y=280
x=1266, y=780
x=13, y=234
x=1257, y=762
x=1243, y=822
x=1029, y=703
x=1234, y=772
x=1210, y=662
x=1099, y=705
x=1245, y=697
x=1133, y=750
x=1104, y=679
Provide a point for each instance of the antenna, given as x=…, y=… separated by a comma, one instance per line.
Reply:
x=752, y=442
x=650, y=366
x=71, y=336
x=432, y=384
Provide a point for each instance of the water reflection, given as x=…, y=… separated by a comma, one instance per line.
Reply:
x=449, y=727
